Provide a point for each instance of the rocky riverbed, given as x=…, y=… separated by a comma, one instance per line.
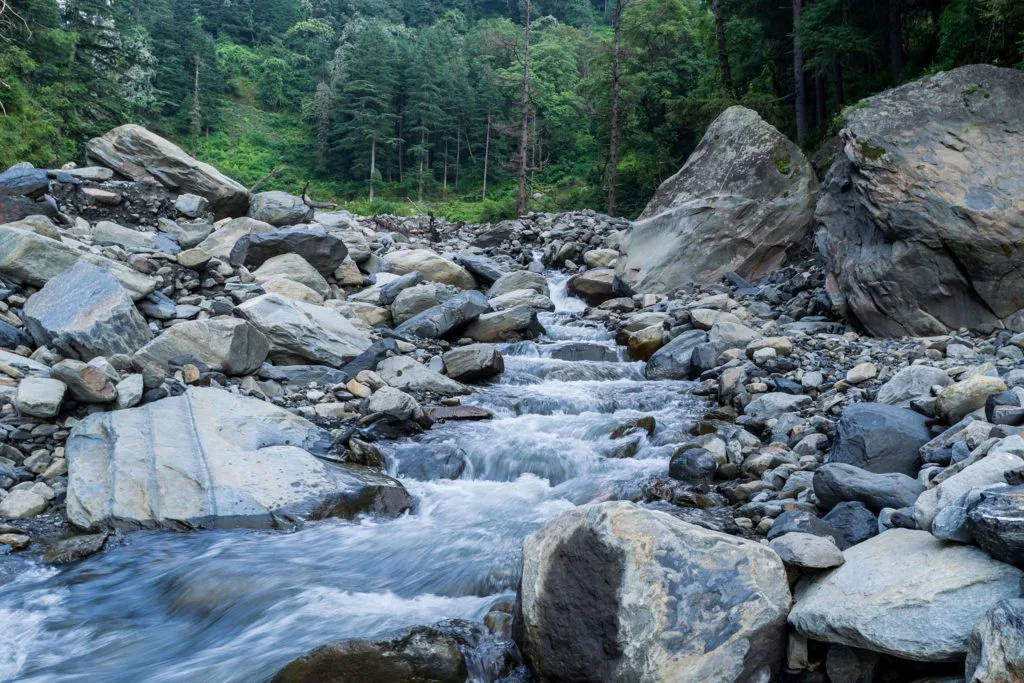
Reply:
x=243, y=438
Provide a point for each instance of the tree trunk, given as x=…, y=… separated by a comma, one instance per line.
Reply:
x=798, y=79
x=423, y=155
x=723, y=53
x=837, y=74
x=895, y=41
x=613, y=138
x=373, y=164
x=401, y=165
x=522, y=203
x=458, y=154
x=196, y=114
x=819, y=101
x=445, y=181
x=487, y=153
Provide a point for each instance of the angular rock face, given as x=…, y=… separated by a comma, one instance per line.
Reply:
x=443, y=318
x=228, y=345
x=904, y=593
x=743, y=198
x=210, y=458
x=996, y=650
x=919, y=220
x=279, y=208
x=911, y=382
x=403, y=372
x=86, y=311
x=433, y=267
x=516, y=280
x=106, y=232
x=298, y=330
x=415, y=300
x=474, y=362
x=518, y=321
x=989, y=470
x=835, y=483
x=880, y=438
x=136, y=153
x=594, y=286
x=35, y=260
x=613, y=592
x=295, y=268
x=672, y=361
x=996, y=522
x=222, y=240
x=320, y=249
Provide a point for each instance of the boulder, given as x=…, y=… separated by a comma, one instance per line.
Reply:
x=357, y=244
x=430, y=462
x=222, y=240
x=880, y=438
x=40, y=396
x=422, y=653
x=774, y=404
x=485, y=270
x=107, y=232
x=87, y=383
x=473, y=362
x=403, y=372
x=917, y=220
x=807, y=551
x=836, y=482
x=191, y=205
x=22, y=503
x=433, y=267
x=614, y=592
x=414, y=300
x=519, y=321
x=851, y=523
x=995, y=652
x=959, y=400
x=290, y=289
x=439, y=320
x=210, y=458
x=299, y=331
x=279, y=208
x=519, y=297
x=519, y=279
x=138, y=154
x=672, y=361
x=911, y=382
x=593, y=286
x=743, y=198
x=295, y=268
x=32, y=259
x=86, y=312
x=904, y=593
x=228, y=345
x=996, y=522
x=323, y=250
x=985, y=472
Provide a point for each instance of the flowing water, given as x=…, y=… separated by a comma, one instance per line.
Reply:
x=237, y=605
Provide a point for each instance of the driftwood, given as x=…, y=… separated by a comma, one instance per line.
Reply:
x=314, y=204
x=275, y=172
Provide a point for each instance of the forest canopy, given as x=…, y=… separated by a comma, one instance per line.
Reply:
x=398, y=105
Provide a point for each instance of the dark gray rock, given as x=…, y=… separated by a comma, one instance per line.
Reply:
x=86, y=312
x=428, y=462
x=693, y=466
x=673, y=361
x=228, y=345
x=916, y=219
x=390, y=291
x=323, y=250
x=995, y=652
x=835, y=483
x=473, y=362
x=28, y=182
x=443, y=318
x=485, y=270
x=807, y=551
x=11, y=336
x=279, y=208
x=800, y=521
x=996, y=521
x=852, y=523
x=880, y=438
x=302, y=375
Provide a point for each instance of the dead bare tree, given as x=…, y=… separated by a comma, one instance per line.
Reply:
x=314, y=204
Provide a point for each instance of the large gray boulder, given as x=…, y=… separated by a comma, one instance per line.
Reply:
x=835, y=483
x=518, y=322
x=919, y=219
x=988, y=471
x=138, y=154
x=516, y=280
x=299, y=332
x=880, y=438
x=912, y=382
x=996, y=521
x=439, y=320
x=323, y=250
x=904, y=593
x=279, y=208
x=414, y=300
x=210, y=458
x=433, y=267
x=403, y=372
x=222, y=241
x=229, y=345
x=613, y=592
x=995, y=652
x=743, y=198
x=85, y=311
x=107, y=232
x=673, y=360
x=33, y=259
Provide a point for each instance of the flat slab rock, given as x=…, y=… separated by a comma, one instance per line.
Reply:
x=210, y=458
x=904, y=593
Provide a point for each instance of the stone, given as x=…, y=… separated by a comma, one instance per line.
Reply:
x=75, y=548
x=711, y=217
x=85, y=382
x=851, y=665
x=137, y=154
x=473, y=362
x=959, y=400
x=996, y=522
x=439, y=320
x=861, y=372
x=194, y=258
x=519, y=321
x=693, y=466
x=673, y=360
x=995, y=651
x=15, y=541
x=32, y=259
x=434, y=654
x=209, y=458
x=107, y=232
x=24, y=181
x=917, y=219
x=86, y=311
x=348, y=274
x=299, y=331
x=403, y=372
x=460, y=412
x=222, y=240
x=279, y=208
x=729, y=335
x=295, y=268
x=801, y=521
x=985, y=472
x=484, y=270
x=911, y=382
x=22, y=503
x=130, y=391
x=290, y=289
x=414, y=300
x=191, y=205
x=880, y=438
x=434, y=268
x=518, y=297
x=773, y=405
x=430, y=462
x=600, y=258
x=807, y=551
x=356, y=243
x=903, y=593
x=644, y=343
x=851, y=523
x=40, y=396
x=835, y=483
x=394, y=403
x=228, y=345
x=593, y=286
x=324, y=251
x=516, y=280
x=714, y=605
